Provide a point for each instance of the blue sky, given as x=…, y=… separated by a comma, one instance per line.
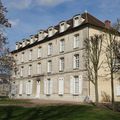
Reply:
x=29, y=16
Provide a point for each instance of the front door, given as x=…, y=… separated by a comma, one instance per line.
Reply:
x=38, y=90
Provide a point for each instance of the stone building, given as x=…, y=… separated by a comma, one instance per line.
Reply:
x=51, y=63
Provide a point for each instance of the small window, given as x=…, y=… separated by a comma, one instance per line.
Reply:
x=21, y=71
x=49, y=48
x=76, y=21
x=62, y=45
x=22, y=57
x=50, y=32
x=30, y=70
x=49, y=66
x=62, y=27
x=76, y=41
x=61, y=64
x=76, y=84
x=76, y=61
x=39, y=68
x=30, y=55
x=39, y=52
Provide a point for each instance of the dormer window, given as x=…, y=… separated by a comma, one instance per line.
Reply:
x=17, y=46
x=76, y=21
x=41, y=35
x=62, y=26
x=24, y=43
x=50, y=32
x=32, y=39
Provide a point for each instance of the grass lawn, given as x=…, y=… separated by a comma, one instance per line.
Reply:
x=13, y=102
x=63, y=112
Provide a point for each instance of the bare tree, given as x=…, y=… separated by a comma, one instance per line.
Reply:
x=93, y=48
x=113, y=54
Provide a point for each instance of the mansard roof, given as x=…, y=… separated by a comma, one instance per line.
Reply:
x=88, y=20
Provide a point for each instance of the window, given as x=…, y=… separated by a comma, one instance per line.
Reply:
x=76, y=85
x=30, y=70
x=49, y=48
x=21, y=71
x=61, y=64
x=39, y=52
x=30, y=55
x=62, y=27
x=61, y=86
x=49, y=66
x=20, y=88
x=50, y=32
x=22, y=57
x=76, y=21
x=39, y=68
x=118, y=90
x=76, y=61
x=48, y=87
x=29, y=87
x=76, y=41
x=62, y=45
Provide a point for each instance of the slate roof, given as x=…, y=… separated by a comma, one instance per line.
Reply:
x=89, y=20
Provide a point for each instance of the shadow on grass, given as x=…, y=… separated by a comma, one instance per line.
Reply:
x=71, y=112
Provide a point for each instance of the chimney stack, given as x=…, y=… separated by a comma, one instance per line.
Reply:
x=108, y=24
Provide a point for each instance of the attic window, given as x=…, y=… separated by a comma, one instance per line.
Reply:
x=41, y=35
x=76, y=21
x=50, y=32
x=62, y=27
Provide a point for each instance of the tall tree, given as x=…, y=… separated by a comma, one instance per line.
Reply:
x=93, y=48
x=113, y=54
x=5, y=58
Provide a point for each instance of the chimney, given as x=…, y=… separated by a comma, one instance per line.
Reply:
x=107, y=24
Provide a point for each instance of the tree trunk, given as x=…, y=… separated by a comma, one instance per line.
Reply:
x=96, y=88
x=112, y=91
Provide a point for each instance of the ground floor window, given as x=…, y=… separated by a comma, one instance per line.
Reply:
x=76, y=85
x=48, y=87
x=61, y=86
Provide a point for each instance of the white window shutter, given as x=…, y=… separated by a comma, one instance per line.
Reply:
x=60, y=46
x=61, y=86
x=31, y=86
x=21, y=87
x=60, y=67
x=118, y=90
x=51, y=86
x=45, y=87
x=71, y=84
x=74, y=62
x=80, y=84
x=74, y=44
x=26, y=91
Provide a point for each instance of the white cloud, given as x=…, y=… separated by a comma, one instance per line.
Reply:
x=14, y=22
x=20, y=4
x=51, y=2
x=23, y=4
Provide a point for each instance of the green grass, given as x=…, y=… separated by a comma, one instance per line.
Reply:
x=64, y=112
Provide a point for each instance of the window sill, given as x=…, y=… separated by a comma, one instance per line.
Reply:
x=76, y=48
x=47, y=94
x=76, y=94
x=75, y=68
x=61, y=52
x=61, y=70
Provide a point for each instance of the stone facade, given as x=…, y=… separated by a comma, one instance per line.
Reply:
x=50, y=69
